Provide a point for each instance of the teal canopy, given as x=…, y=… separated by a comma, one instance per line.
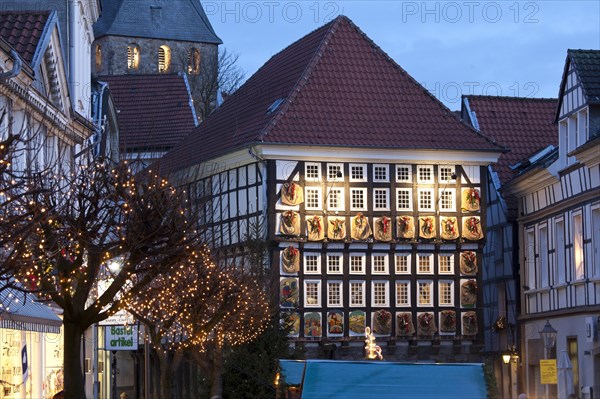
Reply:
x=385, y=380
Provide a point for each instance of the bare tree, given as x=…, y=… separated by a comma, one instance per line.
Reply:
x=207, y=84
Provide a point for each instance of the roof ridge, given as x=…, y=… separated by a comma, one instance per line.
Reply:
x=303, y=79
x=510, y=97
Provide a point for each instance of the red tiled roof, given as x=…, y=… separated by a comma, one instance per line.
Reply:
x=154, y=110
x=23, y=30
x=339, y=89
x=523, y=125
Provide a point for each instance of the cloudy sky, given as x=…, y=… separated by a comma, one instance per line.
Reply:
x=511, y=48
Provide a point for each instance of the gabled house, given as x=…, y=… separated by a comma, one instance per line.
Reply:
x=558, y=193
x=524, y=126
x=369, y=192
x=154, y=113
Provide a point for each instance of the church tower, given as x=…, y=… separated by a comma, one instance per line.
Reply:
x=154, y=36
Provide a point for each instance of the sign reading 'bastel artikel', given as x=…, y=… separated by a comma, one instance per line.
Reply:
x=121, y=338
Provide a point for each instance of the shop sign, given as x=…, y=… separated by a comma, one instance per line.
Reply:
x=121, y=338
x=548, y=374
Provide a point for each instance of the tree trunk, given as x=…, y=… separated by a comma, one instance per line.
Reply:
x=165, y=375
x=73, y=372
x=216, y=387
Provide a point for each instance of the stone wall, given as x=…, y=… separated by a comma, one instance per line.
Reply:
x=114, y=55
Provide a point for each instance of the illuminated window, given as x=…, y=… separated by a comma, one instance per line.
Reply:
x=446, y=264
x=357, y=264
x=164, y=58
x=404, y=199
x=312, y=263
x=379, y=264
x=578, y=247
x=313, y=198
x=133, y=57
x=446, y=173
x=380, y=173
x=402, y=264
x=425, y=174
x=381, y=199
x=357, y=293
x=358, y=172
x=560, y=243
x=335, y=172
x=424, y=288
x=425, y=199
x=446, y=293
x=403, y=173
x=358, y=199
x=334, y=263
x=312, y=293
x=98, y=57
x=425, y=263
x=447, y=202
x=334, y=293
x=194, y=61
x=335, y=199
x=312, y=171
x=379, y=293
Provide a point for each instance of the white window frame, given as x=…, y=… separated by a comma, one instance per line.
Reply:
x=365, y=199
x=310, y=178
x=341, y=170
x=431, y=207
x=318, y=258
x=386, y=264
x=430, y=284
x=596, y=241
x=340, y=257
x=341, y=293
x=446, y=255
x=364, y=263
x=316, y=189
x=363, y=293
x=305, y=290
x=410, y=199
x=386, y=285
x=401, y=166
x=380, y=166
x=452, y=169
x=529, y=252
x=440, y=282
x=341, y=199
x=425, y=167
x=408, y=301
x=386, y=191
x=452, y=195
x=408, y=264
x=356, y=166
x=424, y=256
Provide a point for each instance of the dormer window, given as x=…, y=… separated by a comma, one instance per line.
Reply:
x=194, y=61
x=98, y=57
x=164, y=59
x=133, y=57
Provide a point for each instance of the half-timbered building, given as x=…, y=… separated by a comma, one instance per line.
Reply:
x=368, y=191
x=558, y=193
x=524, y=126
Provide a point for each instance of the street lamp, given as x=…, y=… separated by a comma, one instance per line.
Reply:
x=548, y=335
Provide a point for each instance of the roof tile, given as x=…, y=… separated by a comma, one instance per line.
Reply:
x=339, y=89
x=23, y=30
x=154, y=110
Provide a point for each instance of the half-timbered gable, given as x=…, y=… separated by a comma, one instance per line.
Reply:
x=558, y=191
x=524, y=126
x=368, y=192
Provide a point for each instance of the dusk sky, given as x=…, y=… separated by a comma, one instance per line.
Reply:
x=509, y=48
